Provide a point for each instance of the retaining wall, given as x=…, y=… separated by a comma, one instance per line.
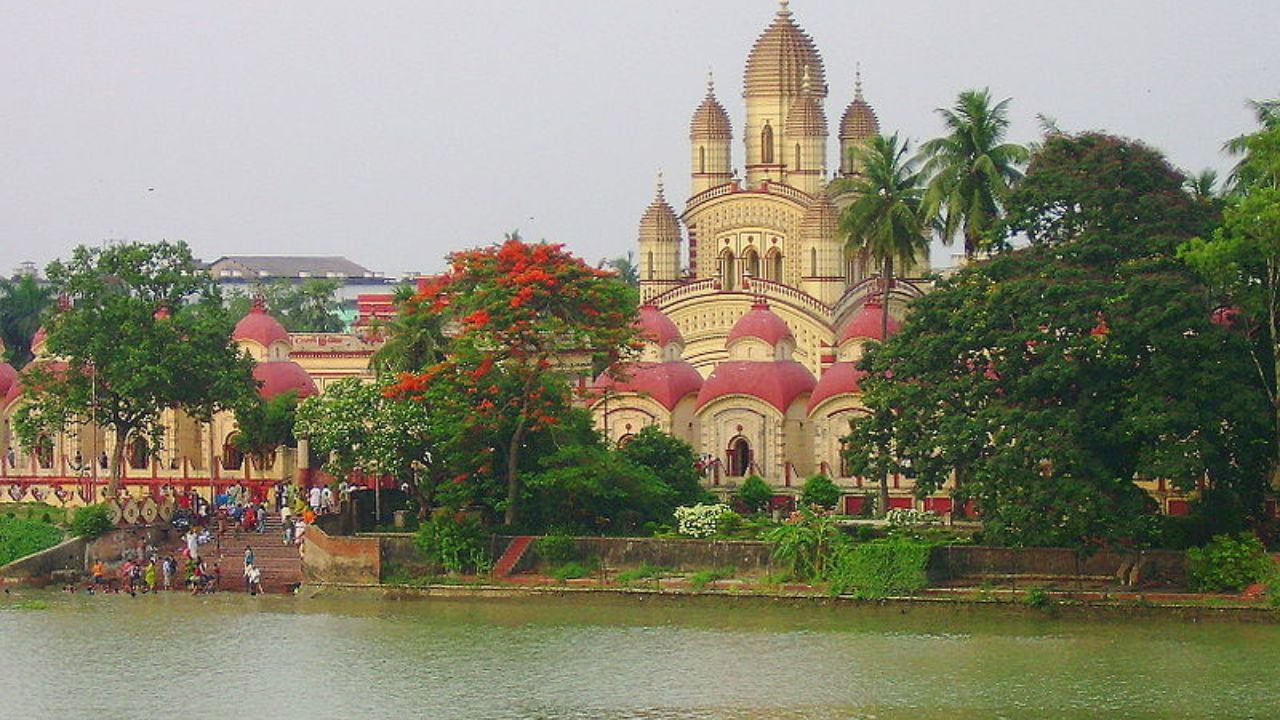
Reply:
x=969, y=561
x=40, y=566
x=332, y=559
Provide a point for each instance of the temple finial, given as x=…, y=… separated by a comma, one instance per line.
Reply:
x=711, y=82
x=784, y=7
x=660, y=185
x=857, y=82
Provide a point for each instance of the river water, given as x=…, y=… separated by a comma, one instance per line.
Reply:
x=589, y=657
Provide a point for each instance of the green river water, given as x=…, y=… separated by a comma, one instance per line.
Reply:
x=589, y=657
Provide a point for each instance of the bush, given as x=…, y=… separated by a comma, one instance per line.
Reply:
x=754, y=493
x=91, y=521
x=556, y=549
x=644, y=572
x=574, y=570
x=819, y=491
x=702, y=578
x=881, y=569
x=20, y=538
x=808, y=543
x=701, y=521
x=457, y=545
x=906, y=517
x=1228, y=563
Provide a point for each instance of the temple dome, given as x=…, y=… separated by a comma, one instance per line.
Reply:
x=840, y=379
x=659, y=222
x=762, y=323
x=859, y=121
x=260, y=327
x=666, y=383
x=777, y=62
x=710, y=121
x=867, y=324
x=805, y=118
x=656, y=327
x=277, y=377
x=776, y=382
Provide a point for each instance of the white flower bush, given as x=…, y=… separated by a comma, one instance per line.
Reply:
x=700, y=521
x=902, y=517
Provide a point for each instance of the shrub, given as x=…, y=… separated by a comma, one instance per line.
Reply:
x=91, y=521
x=555, y=549
x=574, y=570
x=880, y=569
x=819, y=491
x=644, y=572
x=457, y=545
x=754, y=493
x=808, y=543
x=700, y=521
x=1037, y=597
x=905, y=517
x=702, y=578
x=1228, y=563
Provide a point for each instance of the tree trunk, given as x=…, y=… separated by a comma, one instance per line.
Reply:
x=1273, y=273
x=117, y=461
x=883, y=499
x=513, y=477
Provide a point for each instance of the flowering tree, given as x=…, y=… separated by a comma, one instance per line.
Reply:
x=527, y=318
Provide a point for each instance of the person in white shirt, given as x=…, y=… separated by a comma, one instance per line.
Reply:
x=314, y=498
x=326, y=499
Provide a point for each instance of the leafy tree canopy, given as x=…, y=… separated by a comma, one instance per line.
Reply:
x=23, y=305
x=1050, y=378
x=143, y=330
x=308, y=306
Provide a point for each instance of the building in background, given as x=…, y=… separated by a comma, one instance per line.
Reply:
x=242, y=273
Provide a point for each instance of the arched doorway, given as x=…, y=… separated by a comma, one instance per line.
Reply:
x=232, y=458
x=728, y=270
x=139, y=452
x=739, y=457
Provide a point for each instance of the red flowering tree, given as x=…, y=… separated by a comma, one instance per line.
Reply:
x=526, y=320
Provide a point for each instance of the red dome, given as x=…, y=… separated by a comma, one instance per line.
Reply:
x=761, y=322
x=867, y=323
x=281, y=376
x=655, y=326
x=38, y=339
x=8, y=376
x=15, y=389
x=260, y=327
x=839, y=379
x=667, y=383
x=778, y=383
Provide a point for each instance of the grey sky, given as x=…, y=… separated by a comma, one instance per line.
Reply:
x=394, y=132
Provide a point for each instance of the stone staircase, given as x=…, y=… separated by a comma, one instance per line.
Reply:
x=280, y=564
x=512, y=557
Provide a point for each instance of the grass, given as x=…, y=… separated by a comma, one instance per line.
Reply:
x=644, y=572
x=703, y=578
x=574, y=570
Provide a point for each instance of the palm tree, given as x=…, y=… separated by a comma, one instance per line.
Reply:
x=1267, y=113
x=414, y=337
x=1203, y=185
x=886, y=221
x=23, y=303
x=970, y=169
x=625, y=266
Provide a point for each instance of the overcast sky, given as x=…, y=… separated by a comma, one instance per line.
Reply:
x=395, y=132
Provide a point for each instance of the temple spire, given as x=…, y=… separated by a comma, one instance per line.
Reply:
x=784, y=7
x=857, y=82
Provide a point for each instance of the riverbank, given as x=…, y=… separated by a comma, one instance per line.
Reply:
x=1182, y=607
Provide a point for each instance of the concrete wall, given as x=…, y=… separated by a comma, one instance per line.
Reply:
x=112, y=547
x=959, y=561
x=327, y=558
x=37, y=567
x=742, y=555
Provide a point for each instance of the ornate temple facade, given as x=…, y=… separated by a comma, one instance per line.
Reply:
x=753, y=310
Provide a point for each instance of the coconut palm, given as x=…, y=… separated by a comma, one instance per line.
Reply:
x=23, y=303
x=414, y=337
x=970, y=169
x=885, y=221
x=1267, y=113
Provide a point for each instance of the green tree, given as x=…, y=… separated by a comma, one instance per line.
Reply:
x=414, y=338
x=1241, y=260
x=23, y=304
x=885, y=220
x=308, y=306
x=1049, y=378
x=529, y=318
x=144, y=330
x=265, y=425
x=971, y=169
x=359, y=426
x=671, y=459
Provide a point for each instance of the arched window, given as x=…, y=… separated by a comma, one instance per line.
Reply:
x=702, y=159
x=650, y=273
x=44, y=451
x=773, y=265
x=232, y=458
x=797, y=162
x=728, y=268
x=846, y=469
x=139, y=452
x=813, y=262
x=766, y=144
x=625, y=440
x=739, y=457
x=751, y=263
